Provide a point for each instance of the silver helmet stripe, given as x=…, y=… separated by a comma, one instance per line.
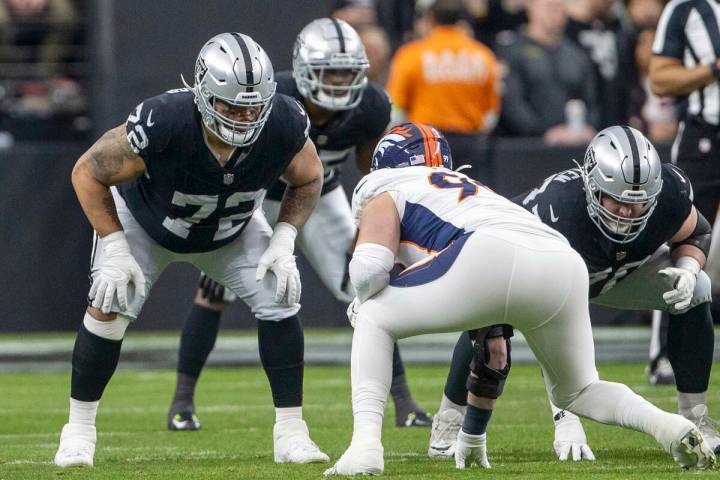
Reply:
x=635, y=157
x=341, y=37
x=249, y=74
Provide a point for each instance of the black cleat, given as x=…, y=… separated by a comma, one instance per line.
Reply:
x=415, y=419
x=184, y=421
x=660, y=372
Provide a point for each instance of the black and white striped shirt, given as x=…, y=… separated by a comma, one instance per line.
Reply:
x=688, y=30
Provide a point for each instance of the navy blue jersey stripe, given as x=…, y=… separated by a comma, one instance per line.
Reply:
x=635, y=157
x=341, y=38
x=422, y=227
x=249, y=75
x=434, y=269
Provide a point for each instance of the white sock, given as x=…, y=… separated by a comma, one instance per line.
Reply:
x=288, y=413
x=83, y=412
x=686, y=401
x=447, y=404
x=615, y=404
x=371, y=367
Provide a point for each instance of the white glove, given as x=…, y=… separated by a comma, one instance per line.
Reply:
x=119, y=268
x=352, y=311
x=683, y=277
x=570, y=437
x=471, y=449
x=280, y=259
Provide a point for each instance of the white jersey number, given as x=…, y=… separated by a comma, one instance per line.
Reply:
x=207, y=205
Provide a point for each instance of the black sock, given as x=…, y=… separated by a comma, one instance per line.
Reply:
x=282, y=349
x=196, y=342
x=476, y=420
x=400, y=391
x=691, y=340
x=198, y=339
x=455, y=389
x=93, y=363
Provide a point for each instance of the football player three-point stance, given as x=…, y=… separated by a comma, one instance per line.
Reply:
x=618, y=211
x=487, y=261
x=183, y=180
x=347, y=112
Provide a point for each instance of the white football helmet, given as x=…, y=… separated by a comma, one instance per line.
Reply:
x=329, y=44
x=233, y=68
x=621, y=163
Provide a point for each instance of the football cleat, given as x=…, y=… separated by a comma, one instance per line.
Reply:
x=691, y=451
x=77, y=445
x=707, y=426
x=359, y=460
x=292, y=444
x=445, y=428
x=660, y=372
x=184, y=421
x=415, y=419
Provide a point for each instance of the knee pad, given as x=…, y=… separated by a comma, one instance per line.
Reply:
x=111, y=330
x=488, y=382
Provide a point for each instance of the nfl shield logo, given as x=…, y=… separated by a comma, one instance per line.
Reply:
x=228, y=178
x=620, y=255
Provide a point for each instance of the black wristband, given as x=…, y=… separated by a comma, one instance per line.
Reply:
x=715, y=70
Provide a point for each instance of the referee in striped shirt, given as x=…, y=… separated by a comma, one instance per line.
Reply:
x=685, y=64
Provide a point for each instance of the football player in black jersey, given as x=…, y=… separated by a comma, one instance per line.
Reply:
x=620, y=210
x=183, y=180
x=347, y=113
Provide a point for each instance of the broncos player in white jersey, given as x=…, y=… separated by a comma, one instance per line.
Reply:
x=182, y=180
x=485, y=259
x=347, y=114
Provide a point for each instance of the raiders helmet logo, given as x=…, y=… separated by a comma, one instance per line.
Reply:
x=200, y=70
x=590, y=161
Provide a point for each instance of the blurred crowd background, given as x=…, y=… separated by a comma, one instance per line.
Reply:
x=549, y=74
x=564, y=68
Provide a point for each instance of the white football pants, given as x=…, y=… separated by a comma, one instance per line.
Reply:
x=537, y=284
x=233, y=265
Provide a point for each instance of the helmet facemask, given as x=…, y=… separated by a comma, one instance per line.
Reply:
x=615, y=227
x=234, y=132
x=312, y=83
x=323, y=48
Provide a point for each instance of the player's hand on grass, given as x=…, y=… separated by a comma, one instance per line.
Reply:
x=570, y=438
x=118, y=269
x=471, y=449
x=280, y=260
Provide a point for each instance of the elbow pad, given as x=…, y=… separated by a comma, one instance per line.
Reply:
x=700, y=237
x=370, y=269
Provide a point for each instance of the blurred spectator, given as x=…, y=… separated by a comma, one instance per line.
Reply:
x=655, y=116
x=35, y=36
x=447, y=80
x=644, y=13
x=396, y=17
x=41, y=65
x=602, y=29
x=546, y=71
x=491, y=17
x=377, y=47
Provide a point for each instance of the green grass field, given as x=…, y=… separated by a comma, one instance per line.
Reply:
x=236, y=440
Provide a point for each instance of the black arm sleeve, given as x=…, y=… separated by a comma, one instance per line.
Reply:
x=700, y=237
